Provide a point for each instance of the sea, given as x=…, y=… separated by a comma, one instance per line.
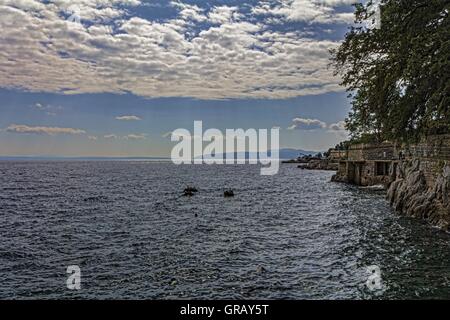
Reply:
x=133, y=235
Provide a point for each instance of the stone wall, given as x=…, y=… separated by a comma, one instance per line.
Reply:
x=434, y=148
x=360, y=165
x=422, y=190
x=422, y=182
x=370, y=178
x=363, y=152
x=360, y=173
x=338, y=154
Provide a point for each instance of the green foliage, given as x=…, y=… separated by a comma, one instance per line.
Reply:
x=398, y=75
x=343, y=145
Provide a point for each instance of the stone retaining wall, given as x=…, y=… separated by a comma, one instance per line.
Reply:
x=364, y=152
x=422, y=190
x=422, y=182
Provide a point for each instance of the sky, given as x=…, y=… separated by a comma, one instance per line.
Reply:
x=115, y=78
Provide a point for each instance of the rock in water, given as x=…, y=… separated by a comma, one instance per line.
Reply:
x=190, y=189
x=228, y=194
x=260, y=269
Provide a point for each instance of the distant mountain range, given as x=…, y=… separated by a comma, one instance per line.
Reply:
x=285, y=154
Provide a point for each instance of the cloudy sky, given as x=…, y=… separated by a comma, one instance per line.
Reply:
x=112, y=78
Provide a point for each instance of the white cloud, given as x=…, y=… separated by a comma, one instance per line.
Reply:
x=223, y=14
x=307, y=124
x=190, y=12
x=128, y=118
x=48, y=109
x=340, y=126
x=141, y=136
x=338, y=129
x=110, y=136
x=132, y=136
x=310, y=11
x=24, y=129
x=232, y=58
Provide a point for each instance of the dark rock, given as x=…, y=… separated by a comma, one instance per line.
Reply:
x=190, y=189
x=260, y=269
x=411, y=195
x=228, y=194
x=319, y=164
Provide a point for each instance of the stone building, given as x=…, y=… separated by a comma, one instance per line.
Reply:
x=417, y=176
x=368, y=164
x=336, y=155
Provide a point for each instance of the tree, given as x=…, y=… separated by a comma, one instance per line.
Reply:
x=397, y=75
x=343, y=145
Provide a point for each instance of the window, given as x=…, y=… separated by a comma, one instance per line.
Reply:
x=382, y=168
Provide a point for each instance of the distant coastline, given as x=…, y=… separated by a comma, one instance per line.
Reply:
x=51, y=158
x=285, y=154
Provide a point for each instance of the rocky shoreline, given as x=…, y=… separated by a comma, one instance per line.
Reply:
x=416, y=176
x=320, y=165
x=412, y=195
x=319, y=162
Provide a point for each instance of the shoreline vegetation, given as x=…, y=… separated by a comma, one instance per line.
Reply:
x=318, y=162
x=397, y=76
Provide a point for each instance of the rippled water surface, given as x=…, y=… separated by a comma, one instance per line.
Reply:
x=291, y=236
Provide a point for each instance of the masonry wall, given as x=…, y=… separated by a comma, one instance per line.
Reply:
x=421, y=188
x=338, y=154
x=362, y=152
x=433, y=154
x=433, y=148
